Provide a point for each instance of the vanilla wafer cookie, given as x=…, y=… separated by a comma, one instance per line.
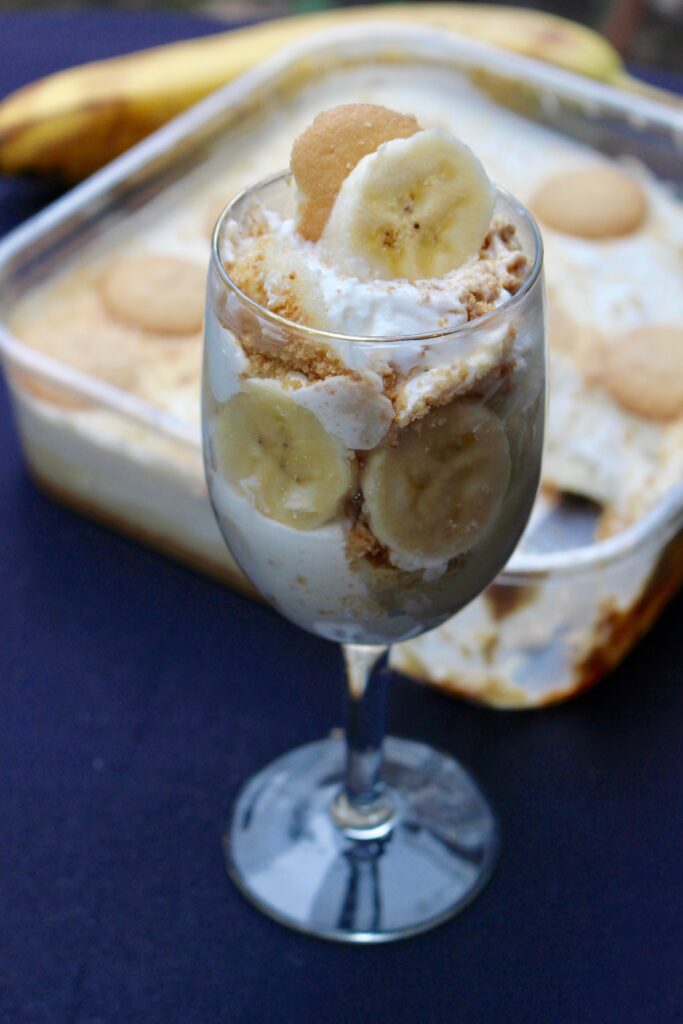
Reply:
x=159, y=294
x=643, y=371
x=595, y=202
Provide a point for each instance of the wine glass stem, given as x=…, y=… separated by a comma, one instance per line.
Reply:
x=364, y=806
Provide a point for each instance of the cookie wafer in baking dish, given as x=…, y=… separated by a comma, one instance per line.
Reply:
x=103, y=348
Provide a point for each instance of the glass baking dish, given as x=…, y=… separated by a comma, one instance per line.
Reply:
x=568, y=607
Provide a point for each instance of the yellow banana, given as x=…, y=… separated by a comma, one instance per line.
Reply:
x=73, y=122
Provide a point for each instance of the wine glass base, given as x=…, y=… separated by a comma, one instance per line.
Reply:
x=287, y=856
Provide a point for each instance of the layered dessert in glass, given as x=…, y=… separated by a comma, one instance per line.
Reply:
x=371, y=487
x=373, y=406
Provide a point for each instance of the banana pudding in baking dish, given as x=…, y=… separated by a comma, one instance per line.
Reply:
x=128, y=313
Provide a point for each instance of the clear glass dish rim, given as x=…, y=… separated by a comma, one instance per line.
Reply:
x=362, y=341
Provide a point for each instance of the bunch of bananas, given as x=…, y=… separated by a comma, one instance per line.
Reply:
x=71, y=123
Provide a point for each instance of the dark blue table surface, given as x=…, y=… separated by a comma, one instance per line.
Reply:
x=134, y=697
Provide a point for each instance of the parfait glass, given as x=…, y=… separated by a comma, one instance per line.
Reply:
x=364, y=838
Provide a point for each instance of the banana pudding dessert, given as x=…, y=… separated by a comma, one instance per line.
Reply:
x=374, y=377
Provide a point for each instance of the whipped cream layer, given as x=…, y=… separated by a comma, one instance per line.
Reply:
x=273, y=264
x=400, y=379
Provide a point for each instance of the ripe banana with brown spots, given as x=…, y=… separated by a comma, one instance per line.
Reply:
x=71, y=123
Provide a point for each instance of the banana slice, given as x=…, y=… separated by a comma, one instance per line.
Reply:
x=435, y=494
x=279, y=454
x=416, y=208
